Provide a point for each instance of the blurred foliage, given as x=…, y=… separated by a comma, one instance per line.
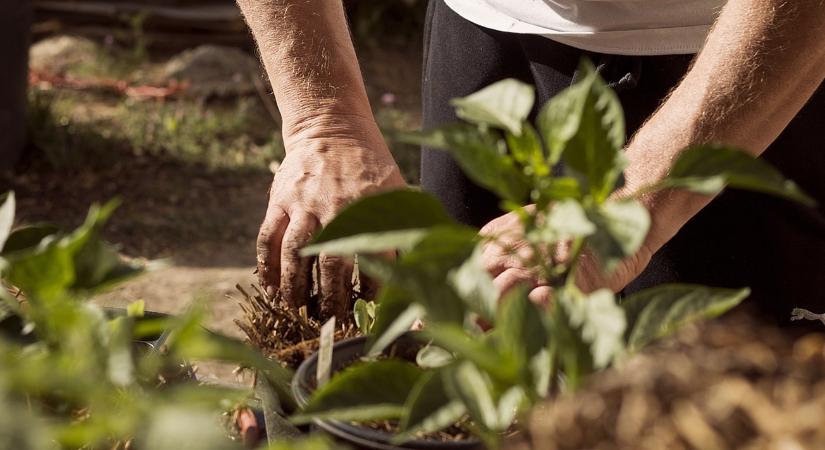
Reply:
x=375, y=22
x=74, y=375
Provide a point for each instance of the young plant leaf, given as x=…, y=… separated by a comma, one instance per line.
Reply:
x=475, y=286
x=622, y=227
x=481, y=156
x=468, y=383
x=565, y=220
x=528, y=151
x=657, y=312
x=599, y=320
x=327, y=339
x=404, y=214
x=453, y=338
x=7, y=209
x=520, y=327
x=585, y=125
x=433, y=357
x=707, y=169
x=395, y=317
x=361, y=315
x=504, y=105
x=28, y=236
x=368, y=391
x=429, y=406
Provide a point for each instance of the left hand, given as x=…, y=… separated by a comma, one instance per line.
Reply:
x=507, y=259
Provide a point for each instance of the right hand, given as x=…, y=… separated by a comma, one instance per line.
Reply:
x=327, y=166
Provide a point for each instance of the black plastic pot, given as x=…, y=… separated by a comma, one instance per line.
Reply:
x=344, y=354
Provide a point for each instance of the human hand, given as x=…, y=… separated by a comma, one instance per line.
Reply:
x=512, y=262
x=324, y=170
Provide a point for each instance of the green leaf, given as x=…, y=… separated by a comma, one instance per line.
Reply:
x=657, y=312
x=361, y=316
x=469, y=384
x=28, y=237
x=367, y=391
x=475, y=286
x=433, y=357
x=6, y=218
x=453, y=338
x=527, y=151
x=622, y=227
x=520, y=327
x=395, y=317
x=136, y=309
x=504, y=104
x=481, y=155
x=509, y=405
x=585, y=125
x=565, y=220
x=429, y=407
x=381, y=221
x=367, y=243
x=707, y=169
x=599, y=320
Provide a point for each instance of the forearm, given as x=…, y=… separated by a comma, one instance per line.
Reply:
x=761, y=63
x=308, y=54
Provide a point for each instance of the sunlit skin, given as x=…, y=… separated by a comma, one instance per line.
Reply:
x=762, y=61
x=335, y=152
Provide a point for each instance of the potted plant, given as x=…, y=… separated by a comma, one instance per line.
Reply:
x=483, y=363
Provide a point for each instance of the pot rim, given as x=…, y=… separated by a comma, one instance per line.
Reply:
x=355, y=434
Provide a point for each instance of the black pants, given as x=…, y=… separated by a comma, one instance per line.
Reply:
x=774, y=246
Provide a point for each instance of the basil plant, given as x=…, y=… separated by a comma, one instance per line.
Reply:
x=567, y=165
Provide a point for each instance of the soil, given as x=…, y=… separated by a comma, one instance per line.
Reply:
x=282, y=332
x=736, y=382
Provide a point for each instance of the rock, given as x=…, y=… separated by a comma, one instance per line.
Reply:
x=214, y=70
x=60, y=54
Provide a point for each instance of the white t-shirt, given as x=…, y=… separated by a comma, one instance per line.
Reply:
x=623, y=27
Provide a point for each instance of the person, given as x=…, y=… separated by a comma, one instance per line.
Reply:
x=746, y=73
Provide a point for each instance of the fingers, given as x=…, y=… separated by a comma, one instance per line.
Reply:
x=269, y=248
x=513, y=277
x=541, y=295
x=296, y=271
x=334, y=286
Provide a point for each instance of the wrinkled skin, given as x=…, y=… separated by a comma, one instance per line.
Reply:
x=321, y=174
x=507, y=256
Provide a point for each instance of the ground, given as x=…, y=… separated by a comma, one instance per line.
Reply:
x=192, y=173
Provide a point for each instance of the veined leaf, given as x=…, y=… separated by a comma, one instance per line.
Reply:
x=399, y=210
x=600, y=321
x=368, y=391
x=657, y=312
x=6, y=218
x=622, y=227
x=429, y=406
x=565, y=220
x=504, y=104
x=707, y=169
x=585, y=125
x=527, y=150
x=482, y=157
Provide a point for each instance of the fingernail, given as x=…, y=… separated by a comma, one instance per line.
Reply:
x=270, y=291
